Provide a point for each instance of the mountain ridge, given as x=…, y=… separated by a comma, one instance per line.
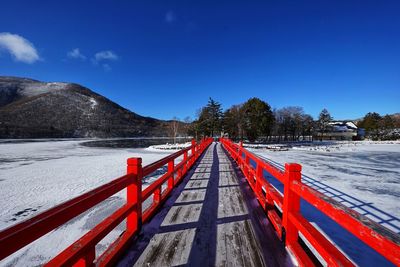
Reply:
x=33, y=109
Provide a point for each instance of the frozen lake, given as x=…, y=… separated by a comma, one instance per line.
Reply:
x=35, y=176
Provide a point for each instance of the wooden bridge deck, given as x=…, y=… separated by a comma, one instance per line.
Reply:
x=206, y=222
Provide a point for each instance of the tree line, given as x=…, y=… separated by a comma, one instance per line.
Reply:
x=253, y=120
x=379, y=127
x=256, y=120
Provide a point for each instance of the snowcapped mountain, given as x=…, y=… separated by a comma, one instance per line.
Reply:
x=33, y=109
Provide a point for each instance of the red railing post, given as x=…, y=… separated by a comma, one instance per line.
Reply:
x=193, y=152
x=291, y=202
x=134, y=194
x=87, y=260
x=198, y=149
x=185, y=165
x=181, y=173
x=239, y=154
x=171, y=179
x=193, y=145
x=247, y=166
x=157, y=195
x=259, y=177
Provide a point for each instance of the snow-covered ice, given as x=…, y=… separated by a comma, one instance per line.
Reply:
x=167, y=146
x=36, y=176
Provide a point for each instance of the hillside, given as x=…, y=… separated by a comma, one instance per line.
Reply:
x=34, y=109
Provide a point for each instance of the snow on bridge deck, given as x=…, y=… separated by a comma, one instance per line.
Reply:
x=206, y=222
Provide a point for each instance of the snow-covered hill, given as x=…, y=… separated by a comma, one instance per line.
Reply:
x=32, y=109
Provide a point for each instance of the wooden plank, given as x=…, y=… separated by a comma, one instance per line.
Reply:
x=182, y=214
x=191, y=195
x=197, y=184
x=168, y=249
x=231, y=202
x=237, y=245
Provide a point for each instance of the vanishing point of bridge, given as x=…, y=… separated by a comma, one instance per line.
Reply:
x=213, y=207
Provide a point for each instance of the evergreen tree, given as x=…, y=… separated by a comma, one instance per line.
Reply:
x=387, y=122
x=370, y=122
x=216, y=116
x=233, y=122
x=258, y=118
x=210, y=118
x=323, y=121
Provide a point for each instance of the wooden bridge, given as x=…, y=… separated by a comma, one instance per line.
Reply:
x=207, y=222
x=212, y=208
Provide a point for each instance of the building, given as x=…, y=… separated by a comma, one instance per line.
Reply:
x=341, y=130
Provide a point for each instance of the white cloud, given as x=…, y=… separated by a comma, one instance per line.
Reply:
x=19, y=47
x=170, y=17
x=105, y=55
x=76, y=54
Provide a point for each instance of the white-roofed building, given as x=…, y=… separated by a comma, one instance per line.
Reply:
x=340, y=130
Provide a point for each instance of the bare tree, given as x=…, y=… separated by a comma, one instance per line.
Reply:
x=188, y=121
x=174, y=128
x=291, y=122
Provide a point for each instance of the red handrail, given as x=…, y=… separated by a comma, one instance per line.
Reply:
x=291, y=223
x=82, y=252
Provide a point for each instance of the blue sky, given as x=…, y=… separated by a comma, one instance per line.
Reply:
x=165, y=58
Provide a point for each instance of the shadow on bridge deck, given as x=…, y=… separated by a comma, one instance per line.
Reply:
x=211, y=219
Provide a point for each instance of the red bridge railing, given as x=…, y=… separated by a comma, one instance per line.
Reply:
x=82, y=252
x=290, y=223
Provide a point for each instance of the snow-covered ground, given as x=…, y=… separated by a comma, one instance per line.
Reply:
x=36, y=176
x=167, y=146
x=362, y=175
